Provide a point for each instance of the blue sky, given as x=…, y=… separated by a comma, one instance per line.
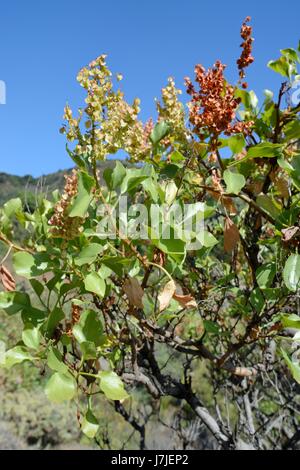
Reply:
x=45, y=43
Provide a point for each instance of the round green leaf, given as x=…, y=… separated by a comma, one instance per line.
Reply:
x=207, y=239
x=160, y=131
x=90, y=425
x=112, y=386
x=23, y=263
x=31, y=336
x=291, y=272
x=236, y=143
x=94, y=283
x=55, y=361
x=118, y=175
x=13, y=302
x=88, y=254
x=89, y=328
x=60, y=387
x=84, y=196
x=234, y=181
x=16, y=356
x=265, y=275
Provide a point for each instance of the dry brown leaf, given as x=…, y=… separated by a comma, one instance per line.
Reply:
x=166, y=295
x=231, y=235
x=282, y=186
x=229, y=205
x=255, y=187
x=186, y=301
x=134, y=292
x=7, y=279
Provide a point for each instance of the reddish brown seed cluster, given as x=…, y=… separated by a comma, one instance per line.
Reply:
x=75, y=317
x=76, y=312
x=246, y=57
x=213, y=107
x=63, y=225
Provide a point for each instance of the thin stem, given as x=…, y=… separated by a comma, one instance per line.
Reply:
x=162, y=269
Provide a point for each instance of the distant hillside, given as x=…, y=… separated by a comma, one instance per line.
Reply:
x=27, y=188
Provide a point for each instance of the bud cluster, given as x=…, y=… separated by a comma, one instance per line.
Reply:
x=246, y=57
x=62, y=225
x=171, y=110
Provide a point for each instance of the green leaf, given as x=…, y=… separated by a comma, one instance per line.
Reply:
x=170, y=170
x=53, y=320
x=12, y=207
x=170, y=192
x=207, y=239
x=152, y=188
x=90, y=425
x=268, y=205
x=292, y=130
x=88, y=350
x=268, y=95
x=60, y=387
x=291, y=272
x=262, y=150
x=23, y=263
x=290, y=54
x=293, y=366
x=290, y=321
x=13, y=302
x=55, y=361
x=272, y=293
x=236, y=143
x=79, y=161
x=94, y=283
x=253, y=99
x=160, y=131
x=112, y=386
x=2, y=354
x=265, y=150
x=118, y=175
x=82, y=201
x=16, y=356
x=133, y=182
x=244, y=96
x=282, y=66
x=176, y=157
x=265, y=275
x=295, y=172
x=88, y=254
x=31, y=336
x=89, y=328
x=174, y=247
x=33, y=315
x=211, y=327
x=257, y=300
x=116, y=264
x=234, y=181
x=107, y=176
x=37, y=287
x=27, y=265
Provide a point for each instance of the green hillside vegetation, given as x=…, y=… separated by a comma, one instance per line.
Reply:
x=29, y=188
